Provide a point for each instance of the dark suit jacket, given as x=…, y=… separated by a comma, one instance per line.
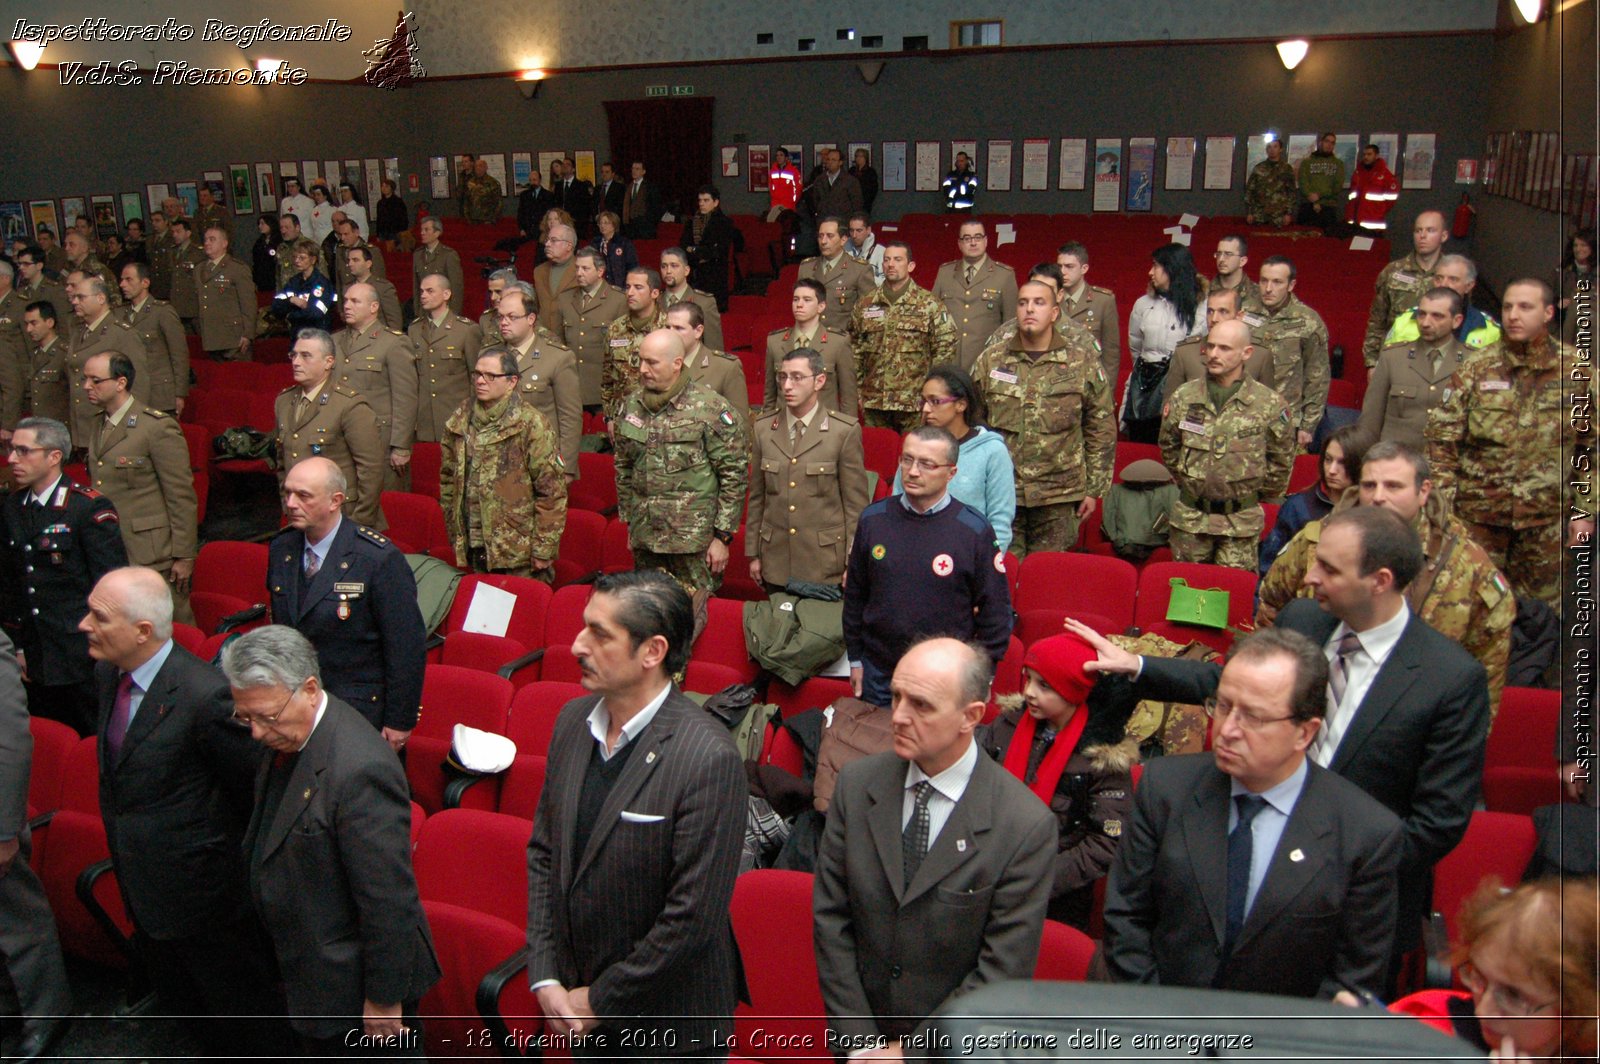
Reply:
x=1415, y=744
x=708, y=259
x=532, y=203
x=609, y=198
x=641, y=214
x=1320, y=921
x=334, y=882
x=577, y=201
x=641, y=916
x=842, y=199
x=374, y=657
x=974, y=912
x=177, y=800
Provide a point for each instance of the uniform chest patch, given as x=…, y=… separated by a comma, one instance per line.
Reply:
x=943, y=565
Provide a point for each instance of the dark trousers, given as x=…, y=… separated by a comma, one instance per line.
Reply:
x=73, y=704
x=875, y=684
x=223, y=982
x=348, y=1043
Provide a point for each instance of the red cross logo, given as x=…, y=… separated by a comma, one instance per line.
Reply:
x=943, y=565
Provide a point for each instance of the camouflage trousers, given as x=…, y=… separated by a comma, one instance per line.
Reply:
x=1040, y=528
x=1237, y=552
x=902, y=421
x=692, y=573
x=478, y=559
x=1530, y=557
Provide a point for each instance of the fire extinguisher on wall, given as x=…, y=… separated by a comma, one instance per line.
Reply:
x=1461, y=228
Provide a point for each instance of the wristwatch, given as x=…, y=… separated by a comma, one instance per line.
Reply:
x=722, y=537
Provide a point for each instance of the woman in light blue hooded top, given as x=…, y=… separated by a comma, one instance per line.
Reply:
x=984, y=478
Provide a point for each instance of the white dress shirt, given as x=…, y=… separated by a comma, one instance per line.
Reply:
x=948, y=787
x=1361, y=668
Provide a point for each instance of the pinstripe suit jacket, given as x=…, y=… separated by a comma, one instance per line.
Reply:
x=641, y=916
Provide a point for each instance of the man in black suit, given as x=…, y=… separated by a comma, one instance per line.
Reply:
x=351, y=592
x=934, y=870
x=575, y=196
x=532, y=203
x=1407, y=709
x=607, y=192
x=641, y=206
x=636, y=841
x=1251, y=868
x=329, y=852
x=176, y=785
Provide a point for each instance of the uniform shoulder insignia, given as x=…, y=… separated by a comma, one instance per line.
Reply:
x=86, y=492
x=1101, y=290
x=396, y=332
x=348, y=393
x=291, y=388
x=375, y=537
x=813, y=258
x=725, y=355
x=698, y=292
x=124, y=322
x=155, y=413
x=465, y=321
x=779, y=331
x=842, y=418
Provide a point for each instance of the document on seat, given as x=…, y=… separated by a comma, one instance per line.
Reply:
x=489, y=613
x=1189, y=221
x=1361, y=243
x=1005, y=233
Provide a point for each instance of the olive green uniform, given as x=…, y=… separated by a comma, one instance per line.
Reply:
x=336, y=424
x=445, y=354
x=166, y=350
x=1296, y=342
x=897, y=338
x=620, y=372
x=1399, y=287
x=585, y=318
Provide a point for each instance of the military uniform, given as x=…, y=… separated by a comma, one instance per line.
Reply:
x=707, y=303
x=1399, y=287
x=549, y=384
x=204, y=217
x=503, y=488
x=166, y=351
x=489, y=326
x=481, y=199
x=49, y=383
x=806, y=496
x=1249, y=294
x=681, y=476
x=838, y=362
x=1459, y=591
x=1270, y=192
x=441, y=260
x=341, y=263
x=110, y=336
x=159, y=251
x=723, y=374
x=584, y=319
x=49, y=291
x=1055, y=412
x=93, y=267
x=186, y=262
x=976, y=306
x=381, y=367
x=897, y=339
x=389, y=315
x=1480, y=329
x=338, y=425
x=1509, y=452
x=13, y=358
x=1189, y=364
x=1296, y=342
x=1095, y=308
x=1226, y=460
x=445, y=355
x=1408, y=382
x=848, y=282
x=226, y=295
x=620, y=377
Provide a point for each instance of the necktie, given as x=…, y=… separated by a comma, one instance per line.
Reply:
x=304, y=411
x=971, y=269
x=1240, y=842
x=796, y=432
x=312, y=564
x=914, y=840
x=1435, y=357
x=121, y=708
x=1338, y=673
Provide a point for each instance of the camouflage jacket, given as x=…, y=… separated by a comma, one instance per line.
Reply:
x=681, y=470
x=1512, y=444
x=1241, y=453
x=1459, y=591
x=509, y=466
x=1398, y=288
x=897, y=343
x=482, y=199
x=1271, y=191
x=1298, y=342
x=1055, y=414
x=619, y=373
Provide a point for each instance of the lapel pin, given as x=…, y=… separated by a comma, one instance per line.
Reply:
x=650, y=758
x=961, y=846
x=307, y=794
x=1297, y=855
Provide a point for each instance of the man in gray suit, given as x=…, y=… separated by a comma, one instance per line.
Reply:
x=636, y=842
x=934, y=869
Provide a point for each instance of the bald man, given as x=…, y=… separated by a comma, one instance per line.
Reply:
x=1402, y=284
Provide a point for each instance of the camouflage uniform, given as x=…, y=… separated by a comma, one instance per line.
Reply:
x=1399, y=287
x=1459, y=591
x=681, y=476
x=1225, y=461
x=1065, y=326
x=1249, y=295
x=619, y=374
x=1271, y=191
x=1055, y=413
x=482, y=199
x=1298, y=343
x=502, y=487
x=1510, y=452
x=897, y=340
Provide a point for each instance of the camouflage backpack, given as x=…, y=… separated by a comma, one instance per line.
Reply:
x=248, y=443
x=1166, y=727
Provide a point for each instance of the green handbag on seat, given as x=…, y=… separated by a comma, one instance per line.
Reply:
x=1203, y=606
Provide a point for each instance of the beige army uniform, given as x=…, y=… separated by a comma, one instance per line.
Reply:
x=723, y=374
x=186, y=262
x=1249, y=293
x=446, y=353
x=49, y=385
x=343, y=278
x=389, y=315
x=13, y=358
x=1226, y=461
x=442, y=260
x=838, y=362
x=897, y=339
x=1409, y=381
x=380, y=366
x=1399, y=287
x=166, y=350
x=110, y=335
x=1055, y=412
x=49, y=291
x=848, y=281
x=548, y=298
x=585, y=317
x=620, y=376
x=1296, y=342
x=707, y=303
x=226, y=295
x=159, y=250
x=549, y=384
x=1189, y=364
x=205, y=217
x=93, y=267
x=489, y=327
x=337, y=424
x=806, y=496
x=979, y=305
x=1095, y=308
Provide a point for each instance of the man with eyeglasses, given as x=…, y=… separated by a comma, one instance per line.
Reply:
x=1252, y=868
x=100, y=331
x=921, y=562
x=318, y=417
x=810, y=333
x=378, y=364
x=619, y=376
x=502, y=485
x=1232, y=254
x=329, y=853
x=549, y=371
x=844, y=279
x=1405, y=709
x=555, y=275
x=32, y=284
x=60, y=539
x=978, y=292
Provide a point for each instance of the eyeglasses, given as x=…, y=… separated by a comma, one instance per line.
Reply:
x=248, y=719
x=1510, y=1000
x=511, y=317
x=794, y=378
x=19, y=451
x=556, y=240
x=1220, y=254
x=479, y=375
x=1220, y=711
x=938, y=400
x=907, y=462
x=92, y=380
x=972, y=238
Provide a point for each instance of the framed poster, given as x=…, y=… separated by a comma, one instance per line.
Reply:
x=13, y=222
x=1035, y=164
x=1141, y=172
x=894, y=166
x=188, y=193
x=496, y=163
x=219, y=188
x=1074, y=163
x=1255, y=151
x=1347, y=146
x=970, y=147
x=156, y=193
x=132, y=208
x=372, y=170
x=351, y=174
x=312, y=173
x=391, y=170
x=999, y=175
x=244, y=194
x=288, y=168
x=1219, y=163
x=1298, y=147
x=438, y=177
x=584, y=160
x=521, y=169
x=1180, y=164
x=759, y=168
x=42, y=212
x=850, y=154
x=104, y=211
x=1107, y=173
x=1417, y=169
x=730, y=160
x=546, y=160
x=266, y=187
x=1388, y=145
x=816, y=154
x=927, y=166
x=797, y=159
x=72, y=208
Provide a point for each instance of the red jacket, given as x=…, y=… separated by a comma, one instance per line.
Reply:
x=1372, y=196
x=784, y=184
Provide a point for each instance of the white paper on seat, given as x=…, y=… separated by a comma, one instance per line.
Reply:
x=1005, y=233
x=1361, y=243
x=1188, y=221
x=1181, y=238
x=490, y=611
x=1173, y=230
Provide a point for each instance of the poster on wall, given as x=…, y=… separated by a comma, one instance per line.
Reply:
x=212, y=179
x=1388, y=145
x=289, y=169
x=759, y=158
x=13, y=221
x=1035, y=164
x=439, y=176
x=43, y=212
x=894, y=166
x=496, y=162
x=266, y=188
x=1299, y=146
x=372, y=169
x=156, y=193
x=816, y=153
x=857, y=146
x=241, y=181
x=352, y=173
x=970, y=147
x=104, y=211
x=132, y=208
x=188, y=193
x=521, y=169
x=927, y=165
x=391, y=170
x=1180, y=164
x=999, y=176
x=1466, y=171
x=1074, y=163
x=311, y=173
x=1347, y=146
x=1420, y=153
x=1219, y=163
x=73, y=208
x=1255, y=151
x=730, y=160
x=797, y=159
x=1141, y=172
x=546, y=158
x=584, y=161
x=1107, y=173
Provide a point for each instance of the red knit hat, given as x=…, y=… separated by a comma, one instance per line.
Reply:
x=1059, y=661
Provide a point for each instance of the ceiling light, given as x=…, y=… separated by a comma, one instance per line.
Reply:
x=1530, y=9
x=26, y=53
x=1291, y=52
